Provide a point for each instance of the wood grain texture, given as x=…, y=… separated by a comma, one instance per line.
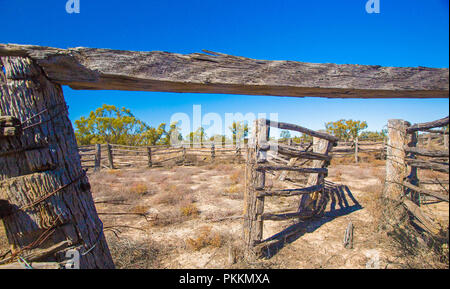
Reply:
x=41, y=160
x=396, y=169
x=429, y=125
x=307, y=202
x=438, y=195
x=90, y=68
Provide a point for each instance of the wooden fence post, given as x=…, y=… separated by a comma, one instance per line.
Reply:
x=446, y=141
x=213, y=152
x=321, y=146
x=255, y=181
x=383, y=149
x=396, y=170
x=149, y=156
x=412, y=177
x=356, y=150
x=110, y=156
x=429, y=141
x=98, y=157
x=41, y=177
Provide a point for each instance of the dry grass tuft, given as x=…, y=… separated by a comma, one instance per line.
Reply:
x=116, y=173
x=205, y=238
x=189, y=210
x=139, y=188
x=139, y=209
x=129, y=254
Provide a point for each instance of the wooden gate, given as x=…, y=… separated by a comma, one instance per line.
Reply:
x=314, y=197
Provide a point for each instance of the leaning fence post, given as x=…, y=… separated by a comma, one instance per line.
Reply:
x=110, y=155
x=98, y=157
x=396, y=169
x=149, y=156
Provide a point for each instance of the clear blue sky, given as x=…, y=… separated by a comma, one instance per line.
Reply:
x=405, y=33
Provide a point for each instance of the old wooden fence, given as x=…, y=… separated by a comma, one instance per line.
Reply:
x=408, y=161
x=313, y=196
x=114, y=156
x=38, y=143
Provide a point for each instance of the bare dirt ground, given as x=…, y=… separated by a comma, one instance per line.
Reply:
x=189, y=217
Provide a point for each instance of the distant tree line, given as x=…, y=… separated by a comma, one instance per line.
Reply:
x=119, y=126
x=110, y=124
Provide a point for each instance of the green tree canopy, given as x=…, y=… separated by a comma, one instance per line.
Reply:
x=239, y=131
x=119, y=126
x=198, y=136
x=110, y=124
x=346, y=129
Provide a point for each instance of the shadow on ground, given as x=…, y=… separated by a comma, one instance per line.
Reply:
x=340, y=206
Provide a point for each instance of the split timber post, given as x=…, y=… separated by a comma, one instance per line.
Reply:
x=396, y=169
x=429, y=141
x=98, y=157
x=110, y=156
x=149, y=156
x=51, y=209
x=356, y=150
x=254, y=182
x=213, y=152
x=322, y=146
x=412, y=177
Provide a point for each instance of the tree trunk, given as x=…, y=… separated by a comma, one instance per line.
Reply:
x=52, y=209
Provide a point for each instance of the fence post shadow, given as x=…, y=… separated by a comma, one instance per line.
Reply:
x=297, y=230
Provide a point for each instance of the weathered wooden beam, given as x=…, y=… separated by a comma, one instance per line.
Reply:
x=437, y=195
x=429, y=125
x=425, y=222
x=427, y=153
x=422, y=164
x=34, y=265
x=293, y=169
x=294, y=152
x=294, y=127
x=88, y=68
x=283, y=216
x=290, y=192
